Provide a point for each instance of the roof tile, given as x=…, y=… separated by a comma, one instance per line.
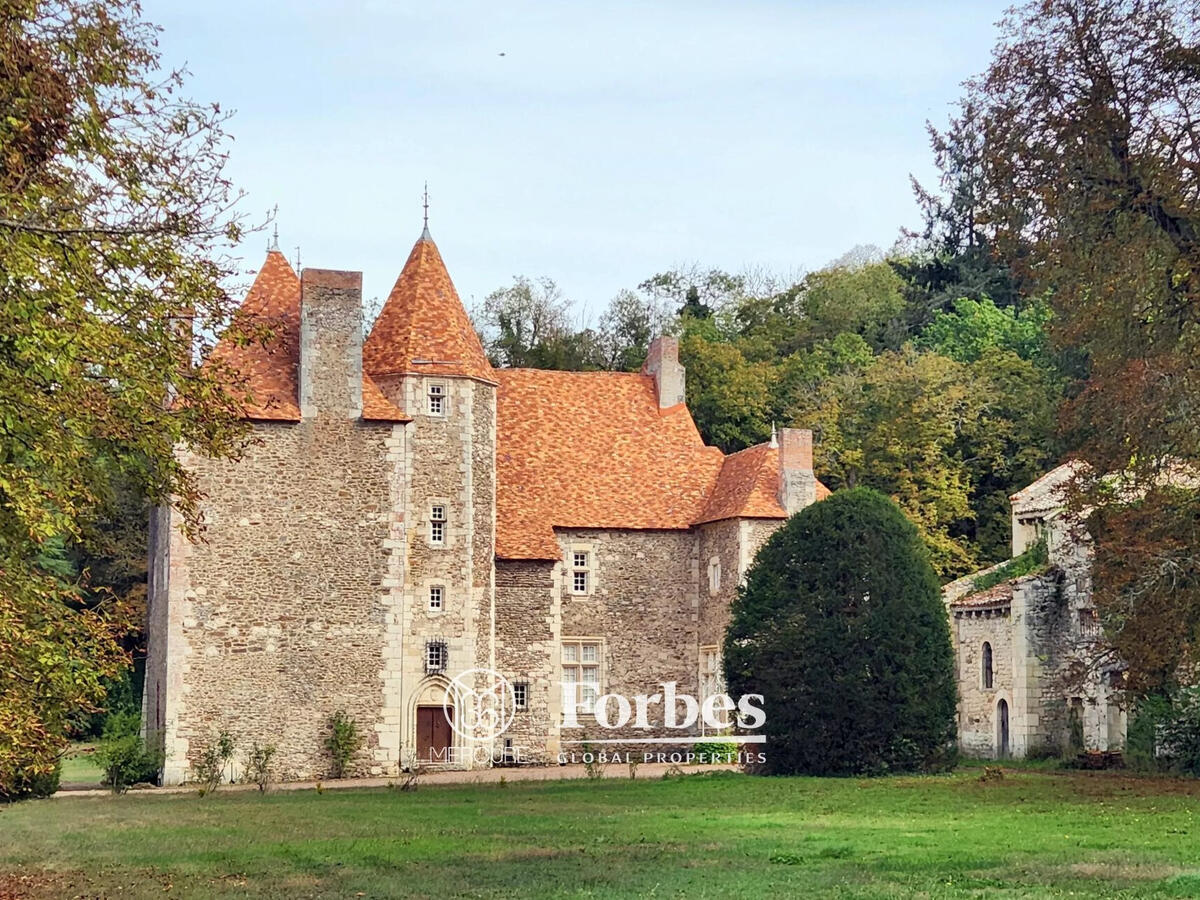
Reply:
x=423, y=326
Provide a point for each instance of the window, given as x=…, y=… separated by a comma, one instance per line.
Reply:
x=521, y=694
x=435, y=597
x=580, y=571
x=437, y=524
x=1089, y=624
x=581, y=668
x=437, y=399
x=714, y=575
x=436, y=657
x=987, y=665
x=711, y=680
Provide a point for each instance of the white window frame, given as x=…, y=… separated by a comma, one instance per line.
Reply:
x=437, y=592
x=580, y=576
x=436, y=397
x=581, y=662
x=520, y=694
x=437, y=524
x=443, y=649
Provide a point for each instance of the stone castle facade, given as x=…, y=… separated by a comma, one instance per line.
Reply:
x=408, y=514
x=1033, y=674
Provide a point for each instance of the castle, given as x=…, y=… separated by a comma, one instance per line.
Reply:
x=409, y=514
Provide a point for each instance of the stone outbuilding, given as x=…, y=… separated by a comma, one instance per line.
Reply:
x=1032, y=673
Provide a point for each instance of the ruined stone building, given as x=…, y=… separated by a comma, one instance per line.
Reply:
x=1031, y=672
x=409, y=513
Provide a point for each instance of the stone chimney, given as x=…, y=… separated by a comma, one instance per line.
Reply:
x=662, y=361
x=797, y=481
x=330, y=343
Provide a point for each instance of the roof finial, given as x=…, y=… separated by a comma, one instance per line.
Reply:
x=297, y=256
x=425, y=231
x=774, y=437
x=274, y=245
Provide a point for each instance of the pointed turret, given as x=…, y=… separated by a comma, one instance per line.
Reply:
x=270, y=370
x=423, y=328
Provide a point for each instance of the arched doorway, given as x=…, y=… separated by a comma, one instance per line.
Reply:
x=1002, y=729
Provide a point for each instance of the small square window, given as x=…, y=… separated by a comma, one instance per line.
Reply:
x=570, y=653
x=521, y=694
x=580, y=560
x=437, y=399
x=435, y=656
x=437, y=525
x=435, y=597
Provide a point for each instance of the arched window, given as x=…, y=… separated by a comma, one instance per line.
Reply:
x=987, y=665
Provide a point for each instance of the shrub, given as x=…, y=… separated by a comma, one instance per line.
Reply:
x=1034, y=559
x=258, y=765
x=715, y=752
x=1165, y=733
x=122, y=754
x=343, y=742
x=210, y=771
x=33, y=786
x=839, y=625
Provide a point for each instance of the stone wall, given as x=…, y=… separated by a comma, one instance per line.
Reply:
x=644, y=607
x=527, y=635
x=977, y=704
x=281, y=618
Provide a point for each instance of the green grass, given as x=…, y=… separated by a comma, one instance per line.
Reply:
x=1029, y=835
x=79, y=766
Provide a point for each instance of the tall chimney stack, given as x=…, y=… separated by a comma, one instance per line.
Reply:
x=797, y=481
x=662, y=361
x=330, y=343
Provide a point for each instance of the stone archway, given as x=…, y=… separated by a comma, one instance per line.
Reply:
x=429, y=732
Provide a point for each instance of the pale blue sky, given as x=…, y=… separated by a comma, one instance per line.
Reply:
x=609, y=142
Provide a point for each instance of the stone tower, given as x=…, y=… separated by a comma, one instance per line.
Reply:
x=426, y=357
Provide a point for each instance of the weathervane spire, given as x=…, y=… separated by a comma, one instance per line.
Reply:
x=274, y=245
x=425, y=204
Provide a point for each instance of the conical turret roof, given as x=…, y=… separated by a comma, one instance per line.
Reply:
x=423, y=327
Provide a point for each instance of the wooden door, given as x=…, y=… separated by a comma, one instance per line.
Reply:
x=434, y=737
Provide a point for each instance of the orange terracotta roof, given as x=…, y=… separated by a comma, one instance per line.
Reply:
x=272, y=370
x=747, y=486
x=592, y=450
x=423, y=326
x=376, y=407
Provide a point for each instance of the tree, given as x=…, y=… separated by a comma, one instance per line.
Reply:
x=1089, y=113
x=841, y=628
x=115, y=222
x=528, y=325
x=627, y=327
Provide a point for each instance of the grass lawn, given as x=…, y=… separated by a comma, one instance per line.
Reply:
x=1032, y=834
x=79, y=766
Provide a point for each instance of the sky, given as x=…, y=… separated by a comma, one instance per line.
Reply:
x=592, y=143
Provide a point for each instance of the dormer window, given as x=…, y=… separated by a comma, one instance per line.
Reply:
x=437, y=399
x=437, y=525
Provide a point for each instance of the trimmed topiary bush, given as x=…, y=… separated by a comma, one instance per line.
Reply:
x=840, y=626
